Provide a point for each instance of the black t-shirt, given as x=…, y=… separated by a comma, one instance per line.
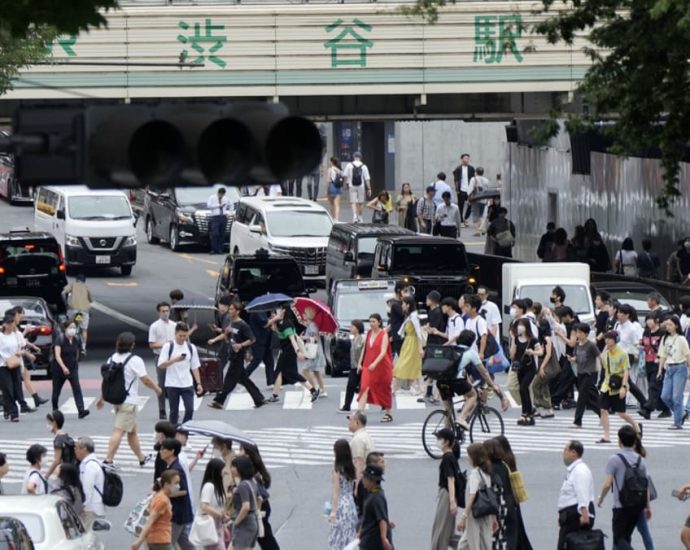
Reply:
x=436, y=320
x=238, y=332
x=395, y=319
x=69, y=351
x=521, y=348
x=375, y=510
x=449, y=467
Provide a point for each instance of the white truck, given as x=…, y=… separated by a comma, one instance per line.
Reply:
x=537, y=280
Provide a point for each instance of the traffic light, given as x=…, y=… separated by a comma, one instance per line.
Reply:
x=166, y=145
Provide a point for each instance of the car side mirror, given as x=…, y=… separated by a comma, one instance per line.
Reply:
x=100, y=525
x=349, y=257
x=256, y=229
x=60, y=214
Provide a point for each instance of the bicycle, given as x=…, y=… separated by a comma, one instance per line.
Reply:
x=485, y=422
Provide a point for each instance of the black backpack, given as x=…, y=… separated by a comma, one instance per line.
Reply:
x=113, y=387
x=441, y=362
x=189, y=347
x=338, y=179
x=356, y=175
x=634, y=491
x=113, y=488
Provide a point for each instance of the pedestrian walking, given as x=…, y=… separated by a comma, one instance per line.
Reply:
x=381, y=206
x=126, y=412
x=500, y=236
x=361, y=444
x=245, y=528
x=587, y=360
x=181, y=359
x=614, y=387
x=343, y=516
x=182, y=514
x=435, y=329
x=426, y=210
x=376, y=367
x=396, y=317
x=541, y=395
x=312, y=367
x=462, y=175
x=648, y=262
x=374, y=458
x=404, y=204
x=284, y=323
x=490, y=312
x=358, y=181
x=212, y=501
x=375, y=532
x=262, y=479
x=65, y=367
x=35, y=483
x=451, y=493
x=674, y=359
x=157, y=533
x=10, y=367
x=238, y=337
x=576, y=500
x=478, y=184
x=182, y=435
x=161, y=431
x=220, y=207
x=626, y=475
x=262, y=350
x=447, y=217
x=523, y=351
x=161, y=332
x=28, y=356
x=651, y=341
x=92, y=480
x=476, y=532
x=408, y=368
x=546, y=240
x=63, y=444
x=79, y=300
x=355, y=374
x=440, y=186
x=335, y=187
x=68, y=486
x=629, y=336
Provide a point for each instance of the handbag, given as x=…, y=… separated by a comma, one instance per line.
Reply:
x=257, y=511
x=311, y=349
x=517, y=484
x=505, y=239
x=138, y=517
x=553, y=368
x=485, y=501
x=585, y=539
x=379, y=216
x=354, y=545
x=203, y=531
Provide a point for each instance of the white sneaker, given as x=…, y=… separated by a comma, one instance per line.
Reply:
x=323, y=394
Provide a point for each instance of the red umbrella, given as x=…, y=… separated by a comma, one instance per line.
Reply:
x=323, y=319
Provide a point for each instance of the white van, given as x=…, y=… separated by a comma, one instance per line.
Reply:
x=95, y=228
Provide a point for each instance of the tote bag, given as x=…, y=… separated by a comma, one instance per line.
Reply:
x=203, y=531
x=485, y=501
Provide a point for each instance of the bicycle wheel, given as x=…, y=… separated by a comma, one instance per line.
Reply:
x=437, y=420
x=486, y=423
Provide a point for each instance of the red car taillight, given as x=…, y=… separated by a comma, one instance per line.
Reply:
x=61, y=260
x=2, y=270
x=46, y=329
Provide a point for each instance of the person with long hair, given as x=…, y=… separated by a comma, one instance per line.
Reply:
x=674, y=359
x=65, y=367
x=312, y=369
x=212, y=499
x=157, y=533
x=263, y=483
x=335, y=187
x=353, y=378
x=540, y=384
x=245, y=528
x=381, y=205
x=651, y=340
x=343, y=516
x=524, y=348
x=376, y=365
x=409, y=365
x=284, y=323
x=404, y=204
x=10, y=368
x=451, y=493
x=476, y=532
x=69, y=487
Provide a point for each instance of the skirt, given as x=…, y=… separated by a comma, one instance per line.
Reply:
x=443, y=531
x=334, y=191
x=245, y=534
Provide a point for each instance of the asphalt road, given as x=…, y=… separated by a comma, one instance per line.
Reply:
x=296, y=438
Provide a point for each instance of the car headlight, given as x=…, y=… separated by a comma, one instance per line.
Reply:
x=131, y=241
x=71, y=240
x=182, y=217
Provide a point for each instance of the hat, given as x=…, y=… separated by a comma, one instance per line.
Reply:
x=431, y=188
x=445, y=433
x=373, y=472
x=434, y=296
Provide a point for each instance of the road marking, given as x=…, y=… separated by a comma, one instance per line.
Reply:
x=70, y=406
x=110, y=283
x=213, y=273
x=239, y=402
x=197, y=404
x=355, y=402
x=297, y=400
x=120, y=316
x=191, y=258
x=408, y=402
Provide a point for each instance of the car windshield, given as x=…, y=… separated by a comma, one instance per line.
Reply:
x=23, y=251
x=299, y=223
x=32, y=308
x=366, y=245
x=200, y=195
x=360, y=305
x=272, y=277
x=33, y=523
x=429, y=257
x=99, y=207
x=637, y=299
x=577, y=297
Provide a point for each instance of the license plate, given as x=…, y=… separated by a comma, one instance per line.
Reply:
x=102, y=259
x=311, y=269
x=32, y=283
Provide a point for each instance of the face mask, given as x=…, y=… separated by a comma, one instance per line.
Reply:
x=164, y=315
x=71, y=331
x=50, y=428
x=521, y=331
x=513, y=313
x=175, y=488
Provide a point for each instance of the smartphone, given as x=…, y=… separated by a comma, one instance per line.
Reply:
x=203, y=451
x=184, y=355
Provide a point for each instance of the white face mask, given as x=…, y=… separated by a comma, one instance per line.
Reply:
x=513, y=313
x=71, y=331
x=521, y=331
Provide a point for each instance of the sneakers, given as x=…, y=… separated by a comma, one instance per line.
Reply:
x=431, y=400
x=215, y=405
x=274, y=399
x=147, y=458
x=323, y=394
x=315, y=394
x=83, y=414
x=343, y=410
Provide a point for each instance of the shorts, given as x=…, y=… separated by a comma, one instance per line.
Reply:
x=357, y=193
x=334, y=191
x=611, y=403
x=126, y=417
x=71, y=314
x=459, y=386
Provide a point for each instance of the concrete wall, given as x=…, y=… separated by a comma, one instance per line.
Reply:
x=424, y=148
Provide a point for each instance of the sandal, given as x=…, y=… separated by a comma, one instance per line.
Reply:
x=386, y=418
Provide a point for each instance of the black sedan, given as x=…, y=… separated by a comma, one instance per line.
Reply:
x=42, y=329
x=631, y=293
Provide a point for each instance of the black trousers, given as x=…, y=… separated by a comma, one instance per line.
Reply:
x=569, y=521
x=525, y=377
x=59, y=380
x=9, y=379
x=587, y=396
x=353, y=380
x=654, y=385
x=268, y=541
x=263, y=353
x=637, y=392
x=449, y=231
x=396, y=346
x=623, y=525
x=237, y=375
x=295, y=187
x=561, y=387
x=462, y=200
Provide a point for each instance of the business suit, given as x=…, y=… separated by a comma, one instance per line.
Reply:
x=462, y=195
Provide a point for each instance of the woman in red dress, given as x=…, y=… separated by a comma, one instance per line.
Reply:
x=376, y=366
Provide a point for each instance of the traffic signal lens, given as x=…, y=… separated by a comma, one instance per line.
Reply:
x=226, y=151
x=293, y=148
x=157, y=153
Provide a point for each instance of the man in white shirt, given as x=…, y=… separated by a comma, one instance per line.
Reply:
x=126, y=413
x=161, y=332
x=441, y=187
x=92, y=479
x=490, y=312
x=361, y=444
x=448, y=217
x=181, y=359
x=219, y=207
x=455, y=324
x=476, y=324
x=477, y=184
x=576, y=499
x=463, y=174
x=357, y=180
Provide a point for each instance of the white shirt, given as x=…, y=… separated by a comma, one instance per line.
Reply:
x=629, y=335
x=36, y=477
x=178, y=374
x=347, y=173
x=454, y=327
x=477, y=183
x=492, y=315
x=441, y=187
x=92, y=478
x=208, y=495
x=684, y=322
x=449, y=215
x=275, y=190
x=578, y=487
x=218, y=207
x=464, y=179
x=161, y=332
x=21, y=342
x=184, y=462
x=361, y=444
x=9, y=345
x=134, y=370
x=479, y=327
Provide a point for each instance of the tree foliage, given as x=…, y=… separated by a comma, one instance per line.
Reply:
x=17, y=53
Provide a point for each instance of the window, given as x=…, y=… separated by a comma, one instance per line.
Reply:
x=67, y=519
x=429, y=257
x=298, y=223
x=241, y=216
x=39, y=253
x=99, y=207
x=366, y=246
x=34, y=525
x=47, y=202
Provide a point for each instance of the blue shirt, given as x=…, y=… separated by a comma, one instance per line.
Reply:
x=469, y=357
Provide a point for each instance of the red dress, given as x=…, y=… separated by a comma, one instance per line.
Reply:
x=379, y=380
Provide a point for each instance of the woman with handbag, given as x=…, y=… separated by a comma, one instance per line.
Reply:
x=476, y=522
x=381, y=205
x=548, y=369
x=402, y=204
x=157, y=533
x=314, y=362
x=245, y=527
x=523, y=351
x=262, y=478
x=343, y=516
x=10, y=367
x=209, y=523
x=451, y=493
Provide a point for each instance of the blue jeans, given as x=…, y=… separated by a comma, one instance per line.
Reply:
x=643, y=528
x=174, y=396
x=672, y=392
x=216, y=233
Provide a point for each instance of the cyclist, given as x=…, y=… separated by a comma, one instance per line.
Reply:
x=469, y=367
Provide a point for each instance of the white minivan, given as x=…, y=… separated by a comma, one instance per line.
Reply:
x=95, y=228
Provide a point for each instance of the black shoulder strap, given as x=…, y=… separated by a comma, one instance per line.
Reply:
x=123, y=369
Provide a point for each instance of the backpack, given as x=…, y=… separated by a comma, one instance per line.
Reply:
x=357, y=175
x=113, y=488
x=44, y=480
x=113, y=384
x=441, y=362
x=585, y=539
x=338, y=180
x=634, y=492
x=68, y=454
x=189, y=347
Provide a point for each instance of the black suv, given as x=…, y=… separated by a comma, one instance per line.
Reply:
x=251, y=275
x=180, y=214
x=351, y=248
x=31, y=263
x=427, y=263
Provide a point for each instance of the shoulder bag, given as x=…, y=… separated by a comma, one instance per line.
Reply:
x=257, y=509
x=485, y=501
x=137, y=518
x=553, y=368
x=517, y=484
x=203, y=531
